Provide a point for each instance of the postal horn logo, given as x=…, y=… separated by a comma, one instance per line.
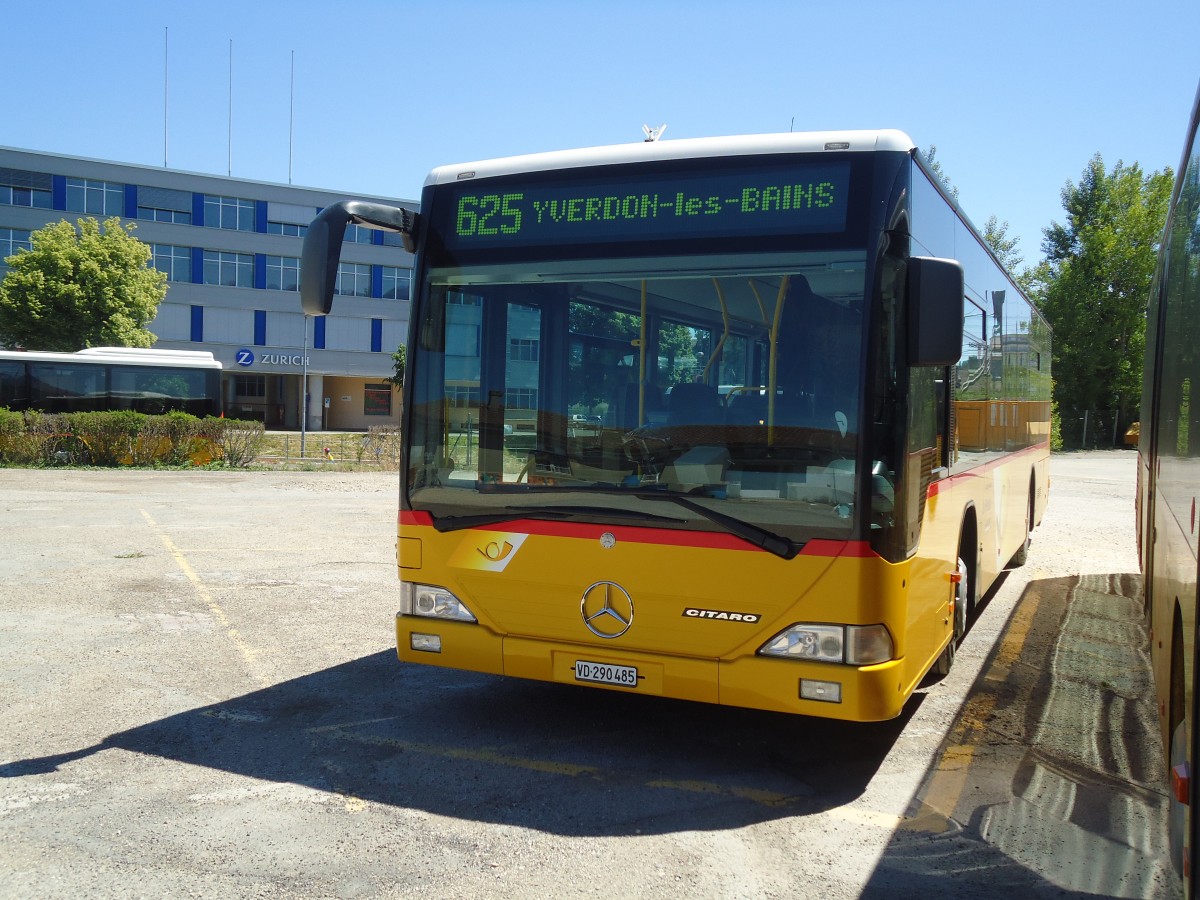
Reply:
x=488, y=551
x=496, y=551
x=607, y=609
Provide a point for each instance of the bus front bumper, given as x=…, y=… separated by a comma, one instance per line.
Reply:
x=860, y=694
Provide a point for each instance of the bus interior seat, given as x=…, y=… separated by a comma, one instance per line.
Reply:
x=694, y=403
x=627, y=415
x=747, y=408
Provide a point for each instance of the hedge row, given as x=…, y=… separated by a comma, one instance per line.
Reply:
x=125, y=438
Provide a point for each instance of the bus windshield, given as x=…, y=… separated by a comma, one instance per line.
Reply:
x=732, y=389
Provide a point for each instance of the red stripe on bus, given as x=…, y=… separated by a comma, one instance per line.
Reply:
x=662, y=536
x=855, y=549
x=946, y=483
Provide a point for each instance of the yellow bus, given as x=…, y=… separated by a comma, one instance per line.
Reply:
x=1167, y=489
x=681, y=419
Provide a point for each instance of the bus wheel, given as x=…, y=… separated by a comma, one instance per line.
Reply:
x=1022, y=555
x=941, y=666
x=962, y=600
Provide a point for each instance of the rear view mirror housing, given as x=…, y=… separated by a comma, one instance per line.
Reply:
x=935, y=311
x=323, y=246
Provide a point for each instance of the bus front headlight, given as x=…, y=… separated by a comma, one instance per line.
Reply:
x=433, y=602
x=855, y=645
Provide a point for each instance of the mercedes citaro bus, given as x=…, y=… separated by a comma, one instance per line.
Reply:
x=746, y=420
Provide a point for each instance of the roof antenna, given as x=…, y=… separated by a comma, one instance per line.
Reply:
x=653, y=134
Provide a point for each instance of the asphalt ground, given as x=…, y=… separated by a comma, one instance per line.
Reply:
x=201, y=698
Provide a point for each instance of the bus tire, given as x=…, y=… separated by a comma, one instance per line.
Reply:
x=941, y=665
x=1022, y=555
x=968, y=563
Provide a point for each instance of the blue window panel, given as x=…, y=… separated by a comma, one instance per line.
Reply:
x=197, y=209
x=131, y=201
x=260, y=271
x=260, y=217
x=197, y=323
x=198, y=264
x=260, y=328
x=377, y=239
x=377, y=335
x=58, y=188
x=319, y=332
x=377, y=279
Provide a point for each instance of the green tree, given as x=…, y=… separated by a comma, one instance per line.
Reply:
x=80, y=286
x=1092, y=287
x=995, y=233
x=931, y=160
x=399, y=364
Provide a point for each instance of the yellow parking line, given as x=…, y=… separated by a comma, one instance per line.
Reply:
x=474, y=755
x=550, y=767
x=247, y=652
x=764, y=798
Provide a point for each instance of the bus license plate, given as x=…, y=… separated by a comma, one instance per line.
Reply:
x=604, y=673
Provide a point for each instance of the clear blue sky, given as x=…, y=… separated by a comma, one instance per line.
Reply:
x=1016, y=96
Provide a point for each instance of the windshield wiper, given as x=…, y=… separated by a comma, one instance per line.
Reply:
x=759, y=537
x=512, y=513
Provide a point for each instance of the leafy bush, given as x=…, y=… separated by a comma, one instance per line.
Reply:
x=111, y=437
x=240, y=441
x=16, y=443
x=125, y=438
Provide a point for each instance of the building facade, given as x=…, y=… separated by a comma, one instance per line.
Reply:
x=231, y=251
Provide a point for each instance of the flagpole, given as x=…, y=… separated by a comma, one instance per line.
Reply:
x=291, y=116
x=230, y=160
x=166, y=46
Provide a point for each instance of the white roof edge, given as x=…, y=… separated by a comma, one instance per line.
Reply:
x=125, y=354
x=145, y=351
x=687, y=148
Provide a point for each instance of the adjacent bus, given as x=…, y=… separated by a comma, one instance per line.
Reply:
x=109, y=378
x=752, y=421
x=1168, y=488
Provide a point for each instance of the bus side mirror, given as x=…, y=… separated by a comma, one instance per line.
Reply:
x=935, y=311
x=323, y=246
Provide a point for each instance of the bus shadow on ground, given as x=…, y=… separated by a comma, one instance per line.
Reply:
x=1051, y=779
x=556, y=758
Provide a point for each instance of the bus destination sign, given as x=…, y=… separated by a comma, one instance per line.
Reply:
x=761, y=200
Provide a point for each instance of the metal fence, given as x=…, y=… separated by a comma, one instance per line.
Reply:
x=1091, y=429
x=378, y=448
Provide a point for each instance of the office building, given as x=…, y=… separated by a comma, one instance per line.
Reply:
x=231, y=251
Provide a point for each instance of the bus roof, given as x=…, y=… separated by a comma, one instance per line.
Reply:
x=690, y=148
